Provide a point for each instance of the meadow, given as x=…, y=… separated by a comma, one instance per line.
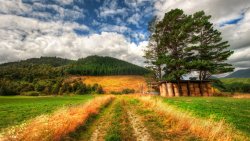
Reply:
x=235, y=80
x=16, y=109
x=234, y=111
x=116, y=82
x=125, y=117
x=233, y=85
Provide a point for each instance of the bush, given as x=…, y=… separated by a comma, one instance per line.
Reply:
x=115, y=92
x=30, y=93
x=124, y=91
x=128, y=91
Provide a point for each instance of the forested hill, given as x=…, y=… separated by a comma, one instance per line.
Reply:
x=97, y=65
x=51, y=67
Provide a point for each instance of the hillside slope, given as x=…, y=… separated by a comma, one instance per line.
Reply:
x=115, y=83
x=244, y=73
x=98, y=65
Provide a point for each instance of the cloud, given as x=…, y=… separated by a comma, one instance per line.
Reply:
x=134, y=19
x=14, y=7
x=65, y=2
x=110, y=8
x=41, y=10
x=114, y=28
x=23, y=38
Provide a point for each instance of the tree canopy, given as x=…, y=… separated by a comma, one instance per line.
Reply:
x=181, y=43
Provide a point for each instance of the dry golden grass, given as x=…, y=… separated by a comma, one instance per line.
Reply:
x=115, y=83
x=206, y=129
x=57, y=125
x=239, y=95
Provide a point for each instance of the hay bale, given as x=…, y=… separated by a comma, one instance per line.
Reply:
x=204, y=89
x=184, y=89
x=164, y=89
x=210, y=91
x=170, y=89
x=160, y=87
x=197, y=89
x=191, y=89
x=176, y=91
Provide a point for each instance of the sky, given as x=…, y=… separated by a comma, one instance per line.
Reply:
x=118, y=28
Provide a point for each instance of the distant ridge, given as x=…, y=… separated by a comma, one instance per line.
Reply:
x=243, y=73
x=52, y=61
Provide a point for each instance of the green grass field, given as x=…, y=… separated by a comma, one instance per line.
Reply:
x=235, y=111
x=16, y=109
x=235, y=80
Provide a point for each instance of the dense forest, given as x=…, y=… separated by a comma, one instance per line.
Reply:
x=97, y=65
x=46, y=75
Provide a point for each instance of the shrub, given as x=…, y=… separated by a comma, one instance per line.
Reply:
x=124, y=91
x=115, y=92
x=128, y=91
x=30, y=93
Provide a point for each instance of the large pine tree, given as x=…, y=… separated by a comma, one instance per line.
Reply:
x=210, y=51
x=176, y=28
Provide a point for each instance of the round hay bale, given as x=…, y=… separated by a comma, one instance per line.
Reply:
x=160, y=87
x=197, y=89
x=204, y=89
x=164, y=89
x=191, y=89
x=176, y=91
x=184, y=89
x=210, y=91
x=170, y=89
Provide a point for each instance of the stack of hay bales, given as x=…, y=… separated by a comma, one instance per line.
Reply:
x=187, y=88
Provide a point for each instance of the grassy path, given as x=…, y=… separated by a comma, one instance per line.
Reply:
x=111, y=124
x=95, y=127
x=128, y=118
x=153, y=124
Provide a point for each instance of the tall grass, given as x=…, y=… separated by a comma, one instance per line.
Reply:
x=182, y=121
x=57, y=125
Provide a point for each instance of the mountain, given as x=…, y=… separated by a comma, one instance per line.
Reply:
x=98, y=65
x=243, y=73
